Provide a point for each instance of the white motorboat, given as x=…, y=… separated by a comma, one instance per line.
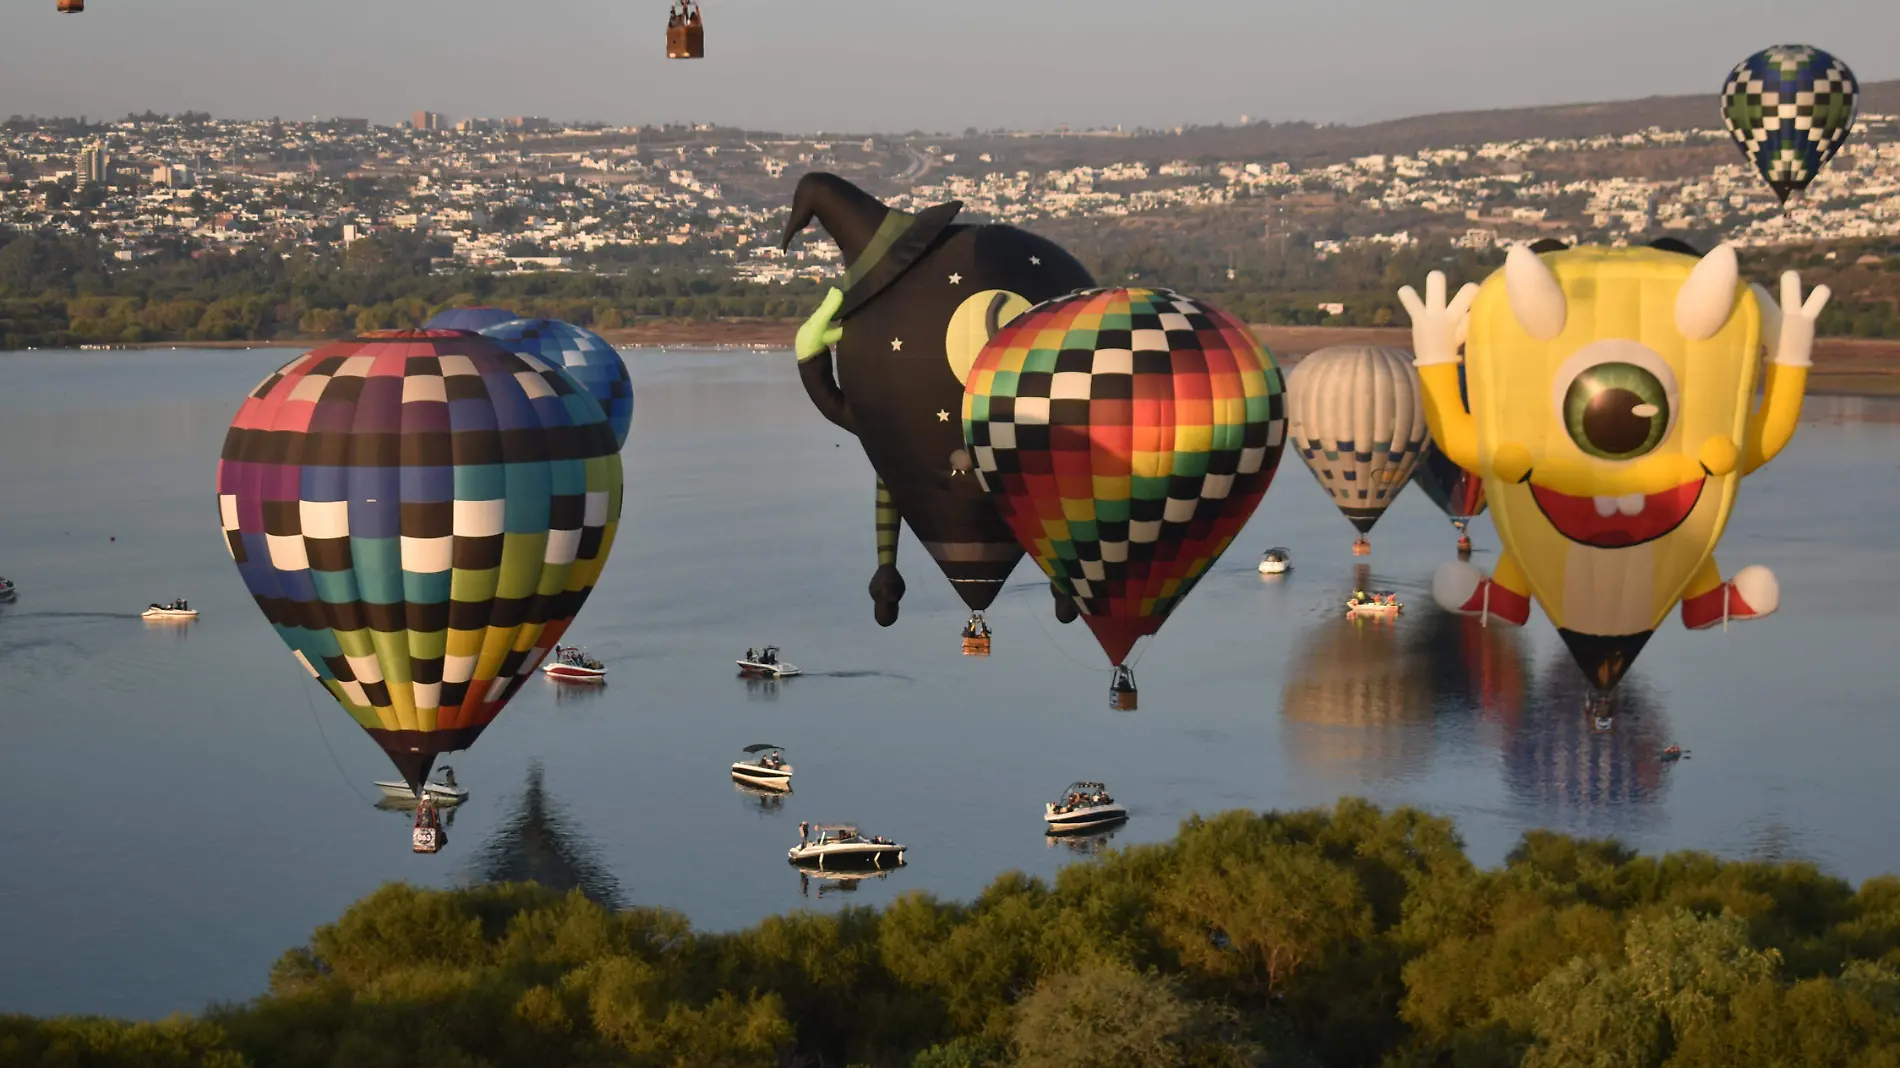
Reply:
x=7, y=589
x=174, y=610
x=1275, y=561
x=839, y=845
x=765, y=664
x=1381, y=603
x=443, y=791
x=770, y=770
x=571, y=664
x=1083, y=806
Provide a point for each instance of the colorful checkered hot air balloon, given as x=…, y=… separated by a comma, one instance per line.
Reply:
x=420, y=514
x=581, y=353
x=1126, y=436
x=1789, y=108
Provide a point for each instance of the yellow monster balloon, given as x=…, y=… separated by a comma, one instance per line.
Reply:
x=1612, y=420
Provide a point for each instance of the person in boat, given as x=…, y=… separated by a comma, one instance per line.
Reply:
x=804, y=831
x=448, y=777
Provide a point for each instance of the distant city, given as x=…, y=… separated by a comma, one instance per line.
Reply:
x=528, y=194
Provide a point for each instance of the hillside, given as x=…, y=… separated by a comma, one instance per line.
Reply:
x=1307, y=144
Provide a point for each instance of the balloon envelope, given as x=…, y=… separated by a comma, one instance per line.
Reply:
x=1126, y=436
x=1357, y=416
x=473, y=320
x=585, y=355
x=1456, y=491
x=420, y=515
x=1789, y=109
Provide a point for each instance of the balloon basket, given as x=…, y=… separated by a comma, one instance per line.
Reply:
x=1464, y=547
x=976, y=647
x=1362, y=548
x=1122, y=695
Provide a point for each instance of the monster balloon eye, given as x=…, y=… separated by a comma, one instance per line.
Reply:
x=1616, y=411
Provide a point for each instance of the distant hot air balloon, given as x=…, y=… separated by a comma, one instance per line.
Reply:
x=1357, y=416
x=72, y=7
x=1457, y=492
x=1789, y=109
x=474, y=319
x=420, y=514
x=1126, y=436
x=581, y=353
x=921, y=297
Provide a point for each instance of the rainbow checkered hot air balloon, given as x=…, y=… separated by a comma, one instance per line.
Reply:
x=1126, y=436
x=420, y=514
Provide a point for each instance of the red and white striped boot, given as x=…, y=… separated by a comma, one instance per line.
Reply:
x=1459, y=587
x=1751, y=594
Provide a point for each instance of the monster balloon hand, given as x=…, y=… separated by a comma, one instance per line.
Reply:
x=921, y=295
x=1610, y=419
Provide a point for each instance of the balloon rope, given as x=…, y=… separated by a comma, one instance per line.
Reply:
x=318, y=720
x=1043, y=626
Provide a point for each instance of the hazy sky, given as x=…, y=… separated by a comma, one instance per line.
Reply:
x=893, y=65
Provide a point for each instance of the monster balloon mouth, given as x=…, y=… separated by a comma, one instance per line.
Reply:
x=1618, y=522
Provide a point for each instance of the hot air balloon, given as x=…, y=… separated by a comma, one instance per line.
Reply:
x=474, y=320
x=1612, y=418
x=419, y=514
x=581, y=353
x=921, y=297
x=1356, y=416
x=1456, y=491
x=1789, y=109
x=1126, y=436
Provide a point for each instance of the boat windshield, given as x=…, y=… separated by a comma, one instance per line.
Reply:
x=1079, y=794
x=835, y=831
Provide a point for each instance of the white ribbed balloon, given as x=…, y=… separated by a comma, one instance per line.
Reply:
x=1356, y=415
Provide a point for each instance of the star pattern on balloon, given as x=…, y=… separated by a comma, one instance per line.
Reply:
x=943, y=416
x=897, y=344
x=956, y=279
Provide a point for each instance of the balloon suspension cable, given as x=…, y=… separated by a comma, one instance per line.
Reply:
x=1043, y=626
x=318, y=720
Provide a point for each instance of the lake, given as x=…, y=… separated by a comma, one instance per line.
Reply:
x=179, y=804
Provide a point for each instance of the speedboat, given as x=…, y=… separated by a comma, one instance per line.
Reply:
x=443, y=791
x=770, y=771
x=839, y=845
x=174, y=610
x=574, y=665
x=1381, y=603
x=1275, y=561
x=765, y=664
x=7, y=589
x=1083, y=806
x=976, y=636
x=1673, y=753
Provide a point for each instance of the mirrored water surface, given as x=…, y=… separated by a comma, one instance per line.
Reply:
x=179, y=804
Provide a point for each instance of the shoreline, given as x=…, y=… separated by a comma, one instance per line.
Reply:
x=1855, y=367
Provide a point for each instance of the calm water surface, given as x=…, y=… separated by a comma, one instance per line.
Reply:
x=180, y=804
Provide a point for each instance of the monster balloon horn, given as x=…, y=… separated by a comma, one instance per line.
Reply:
x=921, y=297
x=1610, y=419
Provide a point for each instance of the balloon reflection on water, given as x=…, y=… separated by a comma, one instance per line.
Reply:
x=1560, y=765
x=538, y=841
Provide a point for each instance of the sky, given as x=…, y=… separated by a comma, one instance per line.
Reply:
x=899, y=65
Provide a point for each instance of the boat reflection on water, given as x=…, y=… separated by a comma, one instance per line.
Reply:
x=1086, y=843
x=835, y=882
x=1574, y=775
x=761, y=689
x=407, y=807
x=537, y=841
x=759, y=799
x=572, y=695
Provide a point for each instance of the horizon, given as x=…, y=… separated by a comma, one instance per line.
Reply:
x=363, y=59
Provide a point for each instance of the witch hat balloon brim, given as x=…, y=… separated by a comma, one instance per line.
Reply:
x=879, y=242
